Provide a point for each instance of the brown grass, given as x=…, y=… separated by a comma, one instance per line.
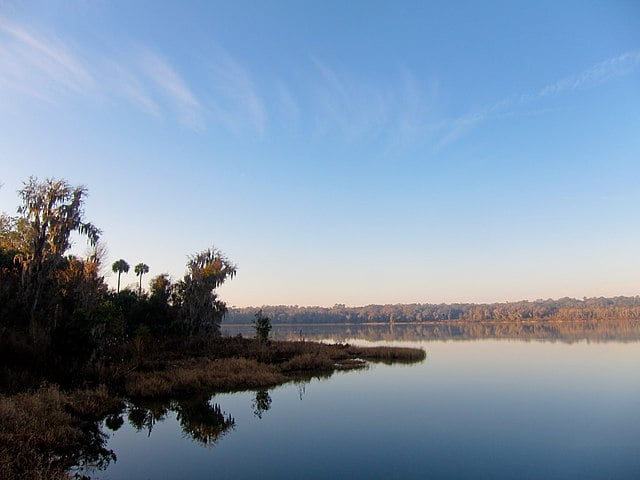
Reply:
x=272, y=352
x=236, y=363
x=94, y=404
x=42, y=433
x=203, y=375
x=308, y=361
x=32, y=429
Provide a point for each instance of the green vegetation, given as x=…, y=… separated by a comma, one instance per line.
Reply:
x=262, y=324
x=57, y=314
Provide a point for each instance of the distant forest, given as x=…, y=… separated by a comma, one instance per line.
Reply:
x=564, y=309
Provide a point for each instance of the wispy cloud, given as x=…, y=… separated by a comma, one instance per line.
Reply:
x=347, y=105
x=398, y=110
x=398, y=113
x=132, y=88
x=40, y=61
x=43, y=66
x=416, y=117
x=168, y=80
x=235, y=102
x=600, y=72
x=616, y=66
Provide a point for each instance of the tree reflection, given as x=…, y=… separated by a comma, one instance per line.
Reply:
x=144, y=415
x=203, y=421
x=92, y=454
x=200, y=420
x=261, y=403
x=548, y=330
x=114, y=422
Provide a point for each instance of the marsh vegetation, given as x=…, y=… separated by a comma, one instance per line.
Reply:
x=95, y=349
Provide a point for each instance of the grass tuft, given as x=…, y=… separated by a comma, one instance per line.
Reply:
x=308, y=361
x=203, y=375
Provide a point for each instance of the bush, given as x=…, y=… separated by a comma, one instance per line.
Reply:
x=262, y=324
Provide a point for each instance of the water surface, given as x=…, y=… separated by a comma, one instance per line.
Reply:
x=487, y=408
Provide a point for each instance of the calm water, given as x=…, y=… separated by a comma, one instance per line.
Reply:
x=487, y=408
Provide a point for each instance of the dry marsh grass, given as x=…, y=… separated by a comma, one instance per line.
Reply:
x=203, y=374
x=42, y=433
x=236, y=363
x=93, y=404
x=34, y=430
x=342, y=352
x=308, y=361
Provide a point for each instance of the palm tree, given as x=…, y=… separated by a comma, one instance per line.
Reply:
x=140, y=270
x=119, y=267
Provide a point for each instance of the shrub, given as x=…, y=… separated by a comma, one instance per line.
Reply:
x=262, y=324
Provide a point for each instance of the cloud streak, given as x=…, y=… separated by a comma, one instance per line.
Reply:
x=235, y=103
x=600, y=72
x=43, y=60
x=42, y=66
x=175, y=88
x=397, y=113
x=132, y=88
x=345, y=105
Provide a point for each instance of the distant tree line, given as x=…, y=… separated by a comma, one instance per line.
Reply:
x=563, y=309
x=566, y=331
x=56, y=306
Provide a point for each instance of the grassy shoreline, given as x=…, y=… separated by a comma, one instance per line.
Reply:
x=247, y=364
x=47, y=430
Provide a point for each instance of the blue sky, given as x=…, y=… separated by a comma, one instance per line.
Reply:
x=340, y=152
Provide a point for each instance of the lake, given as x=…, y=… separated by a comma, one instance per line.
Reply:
x=494, y=404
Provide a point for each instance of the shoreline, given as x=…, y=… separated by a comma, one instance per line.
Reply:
x=440, y=322
x=47, y=431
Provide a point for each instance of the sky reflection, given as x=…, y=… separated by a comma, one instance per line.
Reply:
x=483, y=409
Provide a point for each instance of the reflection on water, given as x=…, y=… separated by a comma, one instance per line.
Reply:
x=202, y=421
x=484, y=409
x=199, y=418
x=94, y=455
x=262, y=403
x=610, y=331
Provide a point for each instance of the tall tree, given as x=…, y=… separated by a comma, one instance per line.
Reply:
x=201, y=309
x=140, y=269
x=50, y=212
x=120, y=267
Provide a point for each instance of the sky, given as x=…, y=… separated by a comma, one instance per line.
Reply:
x=340, y=152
